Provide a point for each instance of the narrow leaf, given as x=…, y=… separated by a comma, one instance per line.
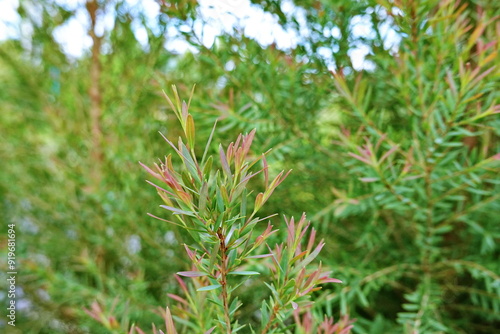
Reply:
x=209, y=288
x=178, y=211
x=210, y=330
x=225, y=164
x=246, y=273
x=169, y=323
x=191, y=273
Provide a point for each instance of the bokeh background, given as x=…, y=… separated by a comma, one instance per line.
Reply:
x=387, y=112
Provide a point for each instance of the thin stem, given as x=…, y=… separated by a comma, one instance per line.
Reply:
x=95, y=94
x=271, y=319
x=223, y=281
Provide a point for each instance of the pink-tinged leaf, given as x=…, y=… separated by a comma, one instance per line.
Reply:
x=160, y=188
x=171, y=144
x=284, y=177
x=152, y=172
x=179, y=299
x=303, y=228
x=483, y=75
x=295, y=305
x=309, y=258
x=190, y=253
x=331, y=280
x=178, y=211
x=258, y=201
x=248, y=177
x=139, y=331
x=308, y=291
x=406, y=167
x=259, y=256
x=300, y=277
x=381, y=139
x=489, y=45
x=95, y=316
x=265, y=218
x=191, y=273
x=260, y=239
x=266, y=171
x=237, y=142
x=368, y=179
x=185, y=197
x=169, y=323
x=347, y=330
x=290, y=238
x=312, y=238
x=182, y=284
x=496, y=156
x=355, y=156
x=239, y=159
x=225, y=164
x=388, y=153
x=311, y=281
x=210, y=330
x=275, y=255
x=229, y=152
x=451, y=83
x=184, y=111
x=247, y=142
x=165, y=220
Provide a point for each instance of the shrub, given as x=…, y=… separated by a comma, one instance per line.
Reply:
x=423, y=160
x=220, y=214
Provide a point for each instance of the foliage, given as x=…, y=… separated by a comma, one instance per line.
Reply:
x=76, y=196
x=395, y=161
x=213, y=207
x=415, y=155
x=431, y=179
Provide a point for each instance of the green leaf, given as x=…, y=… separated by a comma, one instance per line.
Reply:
x=190, y=131
x=209, y=287
x=213, y=256
x=264, y=314
x=245, y=273
x=225, y=165
x=178, y=211
x=207, y=168
x=192, y=273
x=220, y=200
x=235, y=305
x=309, y=258
x=203, y=198
x=207, y=148
x=189, y=162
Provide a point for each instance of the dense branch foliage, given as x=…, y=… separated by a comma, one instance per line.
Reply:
x=395, y=160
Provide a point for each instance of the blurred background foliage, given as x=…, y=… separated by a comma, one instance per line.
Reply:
x=396, y=162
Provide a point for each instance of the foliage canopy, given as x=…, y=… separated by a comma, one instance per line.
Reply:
x=395, y=163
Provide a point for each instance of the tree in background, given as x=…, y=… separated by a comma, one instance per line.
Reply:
x=396, y=163
x=75, y=129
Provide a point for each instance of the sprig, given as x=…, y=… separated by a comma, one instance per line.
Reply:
x=220, y=213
